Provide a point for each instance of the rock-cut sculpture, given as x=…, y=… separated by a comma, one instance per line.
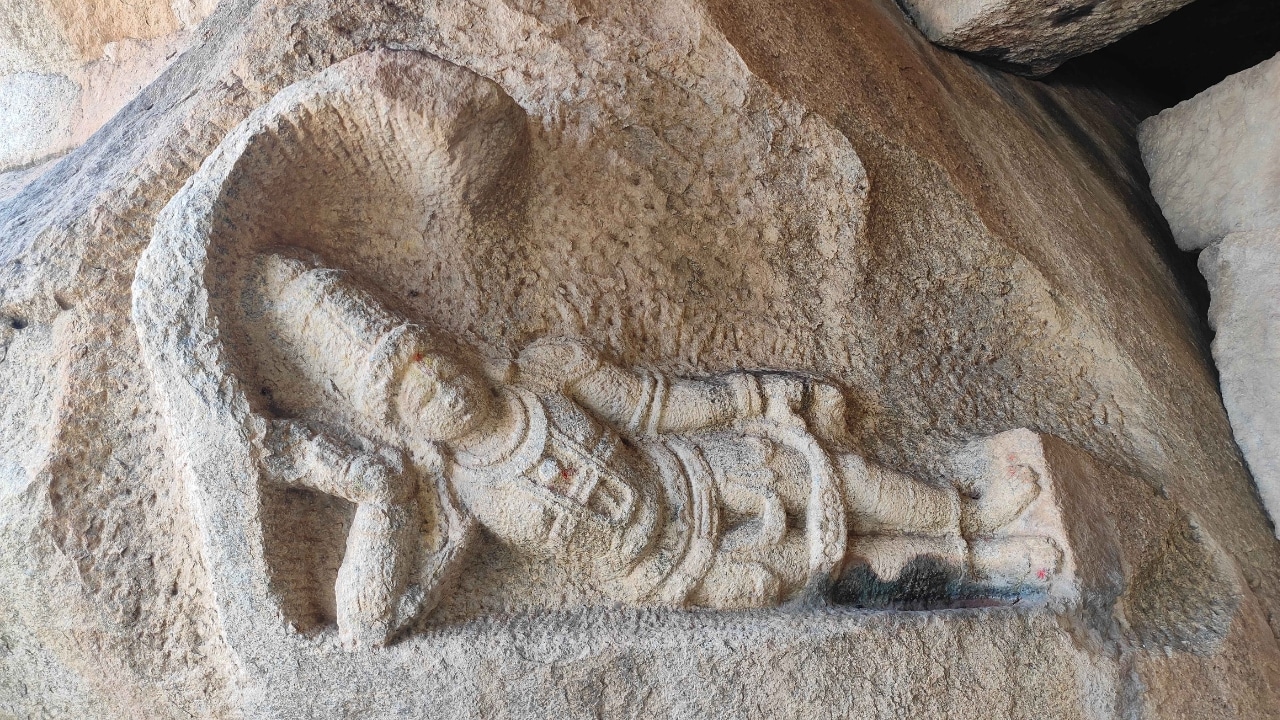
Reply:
x=353, y=469
x=731, y=491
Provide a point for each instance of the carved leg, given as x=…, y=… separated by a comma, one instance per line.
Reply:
x=889, y=555
x=1009, y=563
x=895, y=519
x=1014, y=563
x=375, y=571
x=883, y=502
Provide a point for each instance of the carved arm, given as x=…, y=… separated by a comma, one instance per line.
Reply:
x=299, y=456
x=640, y=401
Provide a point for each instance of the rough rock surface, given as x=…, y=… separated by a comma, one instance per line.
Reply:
x=1033, y=36
x=68, y=67
x=1215, y=159
x=1243, y=271
x=803, y=193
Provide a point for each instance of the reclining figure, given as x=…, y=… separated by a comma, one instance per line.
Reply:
x=732, y=491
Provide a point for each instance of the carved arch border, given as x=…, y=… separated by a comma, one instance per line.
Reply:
x=435, y=126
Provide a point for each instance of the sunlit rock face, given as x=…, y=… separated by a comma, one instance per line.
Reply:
x=619, y=359
x=1243, y=271
x=1215, y=170
x=67, y=67
x=1215, y=159
x=1033, y=36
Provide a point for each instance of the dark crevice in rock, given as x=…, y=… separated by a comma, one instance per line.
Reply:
x=1170, y=61
x=1187, y=52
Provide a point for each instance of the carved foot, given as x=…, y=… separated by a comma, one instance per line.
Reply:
x=1014, y=562
x=1004, y=499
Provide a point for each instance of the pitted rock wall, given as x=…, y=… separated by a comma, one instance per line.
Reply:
x=1001, y=271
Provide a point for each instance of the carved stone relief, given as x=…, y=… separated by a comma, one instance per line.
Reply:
x=365, y=478
x=733, y=491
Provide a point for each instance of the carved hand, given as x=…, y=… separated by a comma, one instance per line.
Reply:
x=379, y=479
x=310, y=459
x=813, y=402
x=555, y=363
x=783, y=396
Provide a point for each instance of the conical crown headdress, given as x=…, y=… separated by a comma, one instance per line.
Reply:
x=340, y=336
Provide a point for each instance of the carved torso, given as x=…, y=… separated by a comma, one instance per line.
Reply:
x=650, y=518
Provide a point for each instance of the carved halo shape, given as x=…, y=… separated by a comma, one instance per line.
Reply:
x=345, y=164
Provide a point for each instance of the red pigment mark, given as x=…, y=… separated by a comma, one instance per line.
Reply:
x=567, y=473
x=1013, y=457
x=417, y=357
x=1042, y=574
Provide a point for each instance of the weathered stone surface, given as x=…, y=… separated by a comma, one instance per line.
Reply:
x=68, y=67
x=1243, y=271
x=38, y=115
x=1033, y=36
x=265, y=327
x=1215, y=159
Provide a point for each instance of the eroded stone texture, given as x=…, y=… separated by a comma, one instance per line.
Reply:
x=1243, y=270
x=38, y=115
x=1033, y=36
x=793, y=240
x=67, y=67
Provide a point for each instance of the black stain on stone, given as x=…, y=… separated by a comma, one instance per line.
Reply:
x=926, y=583
x=1071, y=14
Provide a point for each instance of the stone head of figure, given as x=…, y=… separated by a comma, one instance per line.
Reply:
x=407, y=380
x=436, y=399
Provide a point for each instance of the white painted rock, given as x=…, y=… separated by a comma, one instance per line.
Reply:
x=1033, y=36
x=1214, y=160
x=1243, y=271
